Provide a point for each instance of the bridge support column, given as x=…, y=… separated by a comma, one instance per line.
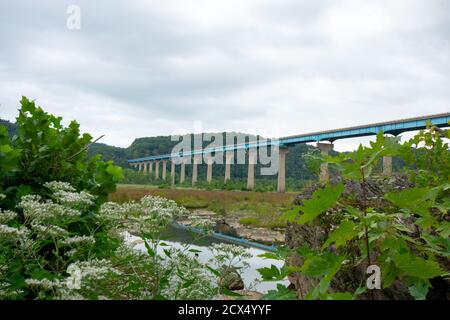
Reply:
x=228, y=160
x=182, y=171
x=144, y=167
x=387, y=166
x=164, y=169
x=156, y=169
x=195, y=162
x=251, y=169
x=324, y=148
x=282, y=169
x=209, y=170
x=172, y=173
x=150, y=167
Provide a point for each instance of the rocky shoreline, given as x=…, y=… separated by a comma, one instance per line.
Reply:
x=231, y=226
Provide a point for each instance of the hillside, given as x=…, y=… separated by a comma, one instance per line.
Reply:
x=141, y=147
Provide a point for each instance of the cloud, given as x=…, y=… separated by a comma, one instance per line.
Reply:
x=142, y=68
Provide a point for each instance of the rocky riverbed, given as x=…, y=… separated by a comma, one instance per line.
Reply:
x=230, y=225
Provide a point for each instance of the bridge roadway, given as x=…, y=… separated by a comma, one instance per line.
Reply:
x=394, y=127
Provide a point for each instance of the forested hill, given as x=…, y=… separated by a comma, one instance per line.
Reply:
x=142, y=147
x=12, y=127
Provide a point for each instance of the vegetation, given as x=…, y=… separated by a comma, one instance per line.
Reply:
x=405, y=233
x=252, y=208
x=60, y=239
x=43, y=150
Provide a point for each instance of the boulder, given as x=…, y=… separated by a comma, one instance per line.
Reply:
x=223, y=227
x=230, y=278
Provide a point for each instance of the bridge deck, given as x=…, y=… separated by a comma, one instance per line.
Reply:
x=394, y=127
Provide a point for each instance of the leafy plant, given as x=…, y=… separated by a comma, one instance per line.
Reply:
x=407, y=235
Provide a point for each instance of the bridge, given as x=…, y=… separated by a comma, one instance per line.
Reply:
x=282, y=144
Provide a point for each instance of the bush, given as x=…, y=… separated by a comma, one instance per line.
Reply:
x=44, y=150
x=403, y=232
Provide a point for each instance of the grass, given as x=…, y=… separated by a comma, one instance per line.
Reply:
x=258, y=209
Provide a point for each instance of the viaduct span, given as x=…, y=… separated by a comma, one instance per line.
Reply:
x=395, y=128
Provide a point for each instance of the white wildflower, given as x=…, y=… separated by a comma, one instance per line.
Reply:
x=74, y=198
x=44, y=231
x=6, y=216
x=59, y=186
x=13, y=234
x=77, y=240
x=46, y=284
x=91, y=270
x=68, y=294
x=34, y=209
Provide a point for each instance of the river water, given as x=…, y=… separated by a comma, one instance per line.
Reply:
x=177, y=238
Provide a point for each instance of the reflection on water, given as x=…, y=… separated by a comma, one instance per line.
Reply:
x=177, y=237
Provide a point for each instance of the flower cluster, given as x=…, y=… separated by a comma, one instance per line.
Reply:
x=150, y=215
x=7, y=216
x=229, y=255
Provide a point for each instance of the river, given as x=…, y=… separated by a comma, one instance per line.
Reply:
x=177, y=238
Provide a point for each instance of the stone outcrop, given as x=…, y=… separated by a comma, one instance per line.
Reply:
x=230, y=279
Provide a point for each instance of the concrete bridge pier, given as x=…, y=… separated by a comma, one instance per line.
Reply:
x=156, y=169
x=387, y=166
x=183, y=171
x=251, y=169
x=324, y=148
x=282, y=169
x=228, y=159
x=164, y=169
x=172, y=174
x=195, y=162
x=209, y=170
x=150, y=167
x=144, y=170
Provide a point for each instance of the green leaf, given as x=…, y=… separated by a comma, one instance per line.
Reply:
x=417, y=267
x=282, y=293
x=444, y=229
x=322, y=200
x=321, y=265
x=271, y=274
x=214, y=271
x=337, y=296
x=419, y=289
x=346, y=231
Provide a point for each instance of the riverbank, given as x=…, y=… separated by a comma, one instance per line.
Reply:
x=256, y=216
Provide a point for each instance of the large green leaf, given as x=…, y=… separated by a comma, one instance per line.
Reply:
x=321, y=201
x=282, y=293
x=346, y=231
x=417, y=267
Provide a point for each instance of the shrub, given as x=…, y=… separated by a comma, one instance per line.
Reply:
x=44, y=150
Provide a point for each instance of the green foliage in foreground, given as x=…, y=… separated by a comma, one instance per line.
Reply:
x=46, y=255
x=408, y=237
x=43, y=150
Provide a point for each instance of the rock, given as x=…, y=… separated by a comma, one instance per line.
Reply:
x=230, y=279
x=245, y=294
x=223, y=227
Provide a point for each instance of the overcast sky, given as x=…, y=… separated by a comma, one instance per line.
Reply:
x=275, y=68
